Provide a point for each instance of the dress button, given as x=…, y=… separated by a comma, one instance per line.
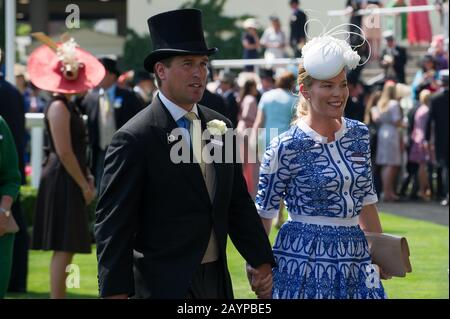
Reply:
x=346, y=177
x=349, y=210
x=338, y=161
x=345, y=193
x=331, y=145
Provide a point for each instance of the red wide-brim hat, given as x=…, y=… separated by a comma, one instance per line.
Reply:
x=44, y=69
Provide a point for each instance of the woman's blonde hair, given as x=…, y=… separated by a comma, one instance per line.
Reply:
x=372, y=101
x=389, y=93
x=424, y=97
x=307, y=81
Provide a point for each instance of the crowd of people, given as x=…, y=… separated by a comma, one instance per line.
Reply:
x=391, y=136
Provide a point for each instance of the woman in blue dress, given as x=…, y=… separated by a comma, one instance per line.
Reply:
x=321, y=169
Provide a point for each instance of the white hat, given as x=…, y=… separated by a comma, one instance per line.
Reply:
x=250, y=23
x=324, y=57
x=388, y=34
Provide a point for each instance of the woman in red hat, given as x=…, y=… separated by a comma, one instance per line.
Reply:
x=66, y=186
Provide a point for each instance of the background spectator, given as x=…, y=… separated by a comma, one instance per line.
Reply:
x=419, y=26
x=393, y=59
x=9, y=188
x=227, y=91
x=274, y=40
x=250, y=41
x=388, y=116
x=297, y=21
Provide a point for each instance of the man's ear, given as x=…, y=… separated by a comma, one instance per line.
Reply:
x=304, y=92
x=159, y=69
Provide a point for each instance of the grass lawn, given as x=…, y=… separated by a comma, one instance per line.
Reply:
x=429, y=257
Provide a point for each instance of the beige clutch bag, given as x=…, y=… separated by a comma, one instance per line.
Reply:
x=11, y=226
x=390, y=253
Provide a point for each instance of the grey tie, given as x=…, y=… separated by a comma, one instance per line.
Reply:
x=212, y=252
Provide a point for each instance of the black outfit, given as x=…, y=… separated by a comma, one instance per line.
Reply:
x=143, y=102
x=297, y=26
x=154, y=217
x=439, y=116
x=61, y=217
x=249, y=53
x=355, y=108
x=130, y=106
x=356, y=20
x=232, y=107
x=400, y=58
x=12, y=109
x=215, y=102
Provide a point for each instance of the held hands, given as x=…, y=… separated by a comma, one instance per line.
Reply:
x=260, y=280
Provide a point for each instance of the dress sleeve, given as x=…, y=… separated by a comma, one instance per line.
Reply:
x=273, y=177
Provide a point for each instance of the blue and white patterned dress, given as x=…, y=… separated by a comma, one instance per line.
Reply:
x=321, y=251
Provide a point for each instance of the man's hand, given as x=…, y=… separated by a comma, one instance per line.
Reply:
x=260, y=280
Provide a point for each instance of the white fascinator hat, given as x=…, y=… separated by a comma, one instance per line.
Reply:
x=325, y=56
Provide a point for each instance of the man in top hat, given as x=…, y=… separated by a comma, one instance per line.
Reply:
x=144, y=87
x=297, y=23
x=438, y=116
x=227, y=91
x=267, y=81
x=162, y=225
x=393, y=59
x=108, y=108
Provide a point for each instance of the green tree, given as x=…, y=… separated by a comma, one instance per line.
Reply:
x=136, y=49
x=220, y=31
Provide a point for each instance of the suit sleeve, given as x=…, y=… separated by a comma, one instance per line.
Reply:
x=245, y=227
x=117, y=213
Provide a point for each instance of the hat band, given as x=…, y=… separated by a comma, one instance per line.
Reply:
x=185, y=46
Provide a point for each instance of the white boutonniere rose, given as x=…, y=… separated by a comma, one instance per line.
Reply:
x=217, y=127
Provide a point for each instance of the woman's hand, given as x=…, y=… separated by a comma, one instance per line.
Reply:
x=89, y=193
x=3, y=222
x=91, y=181
x=383, y=275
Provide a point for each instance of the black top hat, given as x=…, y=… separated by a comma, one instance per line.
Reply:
x=141, y=75
x=110, y=65
x=266, y=73
x=177, y=32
